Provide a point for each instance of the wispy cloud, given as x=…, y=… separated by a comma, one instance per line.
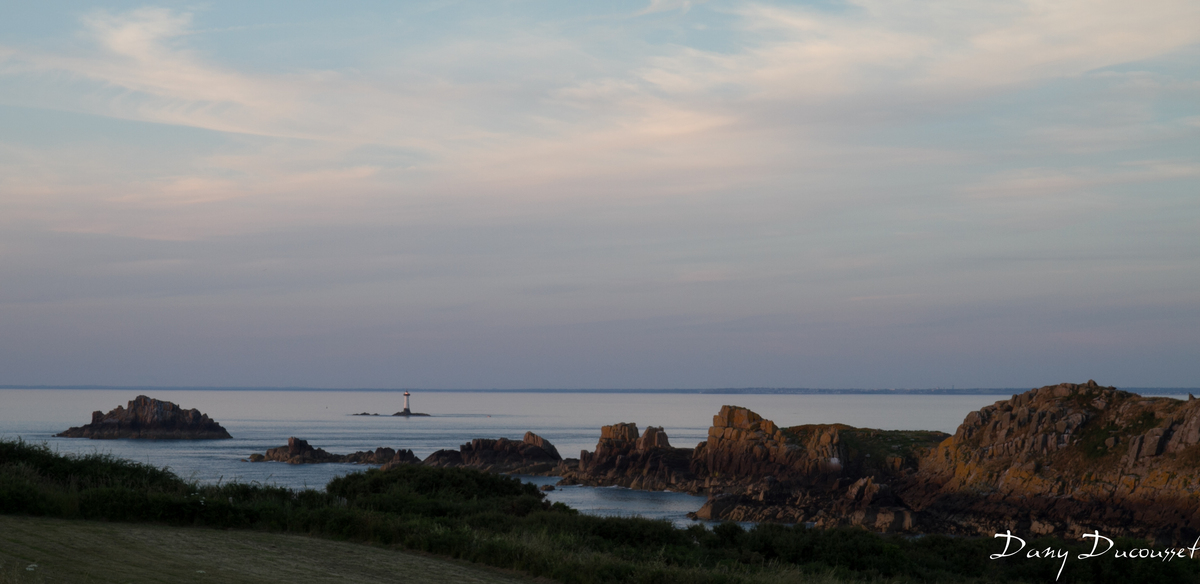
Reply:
x=149, y=69
x=850, y=163
x=667, y=6
x=1044, y=182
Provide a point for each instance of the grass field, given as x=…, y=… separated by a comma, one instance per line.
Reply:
x=103, y=552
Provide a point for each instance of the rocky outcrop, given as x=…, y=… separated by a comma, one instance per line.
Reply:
x=1067, y=459
x=623, y=457
x=300, y=451
x=148, y=418
x=532, y=455
x=826, y=474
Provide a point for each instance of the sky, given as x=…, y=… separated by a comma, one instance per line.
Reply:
x=625, y=194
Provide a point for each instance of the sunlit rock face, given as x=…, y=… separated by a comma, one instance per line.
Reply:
x=1067, y=459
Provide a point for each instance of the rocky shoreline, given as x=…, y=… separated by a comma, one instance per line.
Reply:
x=1059, y=460
x=1063, y=460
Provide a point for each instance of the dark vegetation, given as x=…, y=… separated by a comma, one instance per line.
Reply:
x=502, y=522
x=880, y=444
x=1093, y=434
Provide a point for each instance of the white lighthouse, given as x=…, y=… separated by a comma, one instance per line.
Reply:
x=407, y=412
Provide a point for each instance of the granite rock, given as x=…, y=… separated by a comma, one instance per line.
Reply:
x=531, y=455
x=300, y=451
x=148, y=418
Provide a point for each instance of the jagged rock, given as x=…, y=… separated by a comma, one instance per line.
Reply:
x=300, y=451
x=532, y=455
x=625, y=458
x=535, y=440
x=655, y=437
x=148, y=418
x=1067, y=459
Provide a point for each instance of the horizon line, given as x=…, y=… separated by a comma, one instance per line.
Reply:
x=715, y=390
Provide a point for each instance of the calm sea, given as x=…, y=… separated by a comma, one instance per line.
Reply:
x=259, y=420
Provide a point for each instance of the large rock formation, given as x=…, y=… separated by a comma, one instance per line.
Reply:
x=1067, y=459
x=532, y=455
x=148, y=418
x=300, y=451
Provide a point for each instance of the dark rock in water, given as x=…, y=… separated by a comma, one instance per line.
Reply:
x=406, y=413
x=364, y=414
x=532, y=455
x=152, y=419
x=547, y=487
x=300, y=451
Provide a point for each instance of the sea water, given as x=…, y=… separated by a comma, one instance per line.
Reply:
x=259, y=420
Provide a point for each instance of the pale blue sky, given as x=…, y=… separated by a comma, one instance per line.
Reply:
x=620, y=194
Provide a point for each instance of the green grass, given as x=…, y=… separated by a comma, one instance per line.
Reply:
x=105, y=552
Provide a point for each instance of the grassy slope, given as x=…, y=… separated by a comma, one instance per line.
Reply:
x=101, y=552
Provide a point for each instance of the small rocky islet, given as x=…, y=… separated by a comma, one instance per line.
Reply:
x=149, y=419
x=299, y=451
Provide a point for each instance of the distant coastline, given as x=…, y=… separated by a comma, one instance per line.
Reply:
x=696, y=391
